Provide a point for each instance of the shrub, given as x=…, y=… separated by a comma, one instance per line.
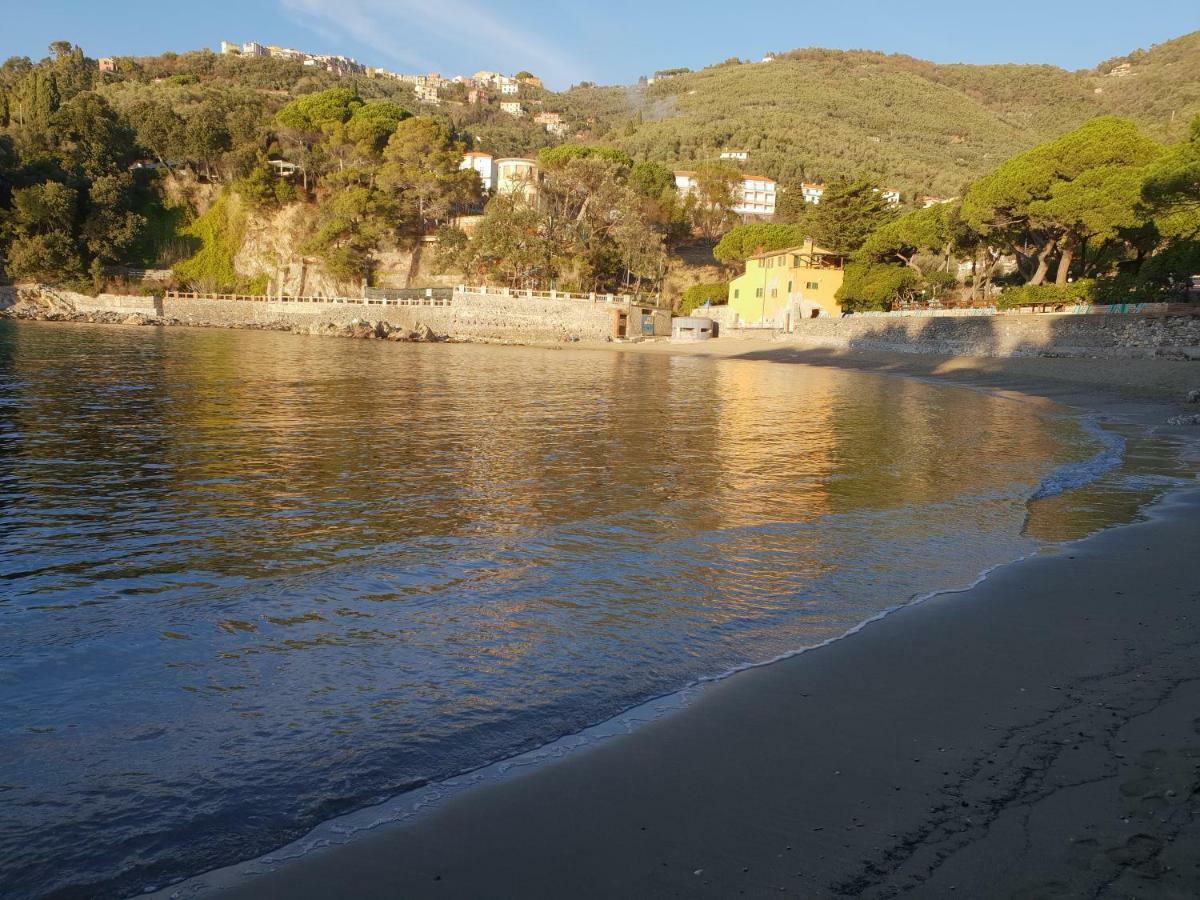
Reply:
x=697, y=295
x=1082, y=291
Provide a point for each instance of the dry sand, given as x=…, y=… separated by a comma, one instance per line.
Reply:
x=1035, y=736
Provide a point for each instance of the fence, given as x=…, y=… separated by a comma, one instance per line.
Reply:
x=431, y=297
x=486, y=290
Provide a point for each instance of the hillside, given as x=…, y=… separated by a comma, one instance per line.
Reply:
x=927, y=128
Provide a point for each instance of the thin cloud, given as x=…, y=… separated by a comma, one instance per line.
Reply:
x=395, y=28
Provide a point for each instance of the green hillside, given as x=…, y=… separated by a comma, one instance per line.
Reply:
x=927, y=128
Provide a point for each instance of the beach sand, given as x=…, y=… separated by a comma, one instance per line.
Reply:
x=1035, y=736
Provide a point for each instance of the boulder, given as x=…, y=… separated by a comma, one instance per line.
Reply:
x=1194, y=396
x=424, y=333
x=1184, y=420
x=135, y=319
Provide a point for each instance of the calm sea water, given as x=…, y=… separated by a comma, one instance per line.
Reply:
x=249, y=581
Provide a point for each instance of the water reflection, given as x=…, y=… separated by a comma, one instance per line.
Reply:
x=251, y=580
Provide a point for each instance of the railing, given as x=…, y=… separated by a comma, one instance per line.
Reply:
x=492, y=290
x=435, y=297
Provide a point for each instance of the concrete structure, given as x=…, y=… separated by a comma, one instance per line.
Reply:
x=692, y=328
x=891, y=195
x=685, y=182
x=106, y=64
x=755, y=196
x=812, y=192
x=512, y=107
x=738, y=155
x=509, y=88
x=484, y=164
x=757, y=200
x=784, y=286
x=517, y=175
x=228, y=48
x=427, y=93
x=254, y=48
x=552, y=122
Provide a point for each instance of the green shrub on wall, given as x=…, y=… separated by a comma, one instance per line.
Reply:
x=220, y=232
x=1082, y=291
x=697, y=295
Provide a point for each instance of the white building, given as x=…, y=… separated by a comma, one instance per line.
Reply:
x=516, y=175
x=254, y=48
x=739, y=155
x=484, y=164
x=812, y=193
x=427, y=93
x=509, y=88
x=512, y=107
x=228, y=48
x=891, y=195
x=757, y=197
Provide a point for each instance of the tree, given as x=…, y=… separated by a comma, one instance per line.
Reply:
x=421, y=170
x=158, y=128
x=847, y=215
x=91, y=139
x=350, y=226
x=744, y=241
x=1038, y=204
x=923, y=232
x=715, y=195
x=371, y=125
x=40, y=227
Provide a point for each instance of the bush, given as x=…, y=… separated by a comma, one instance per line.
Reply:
x=697, y=295
x=874, y=286
x=1082, y=291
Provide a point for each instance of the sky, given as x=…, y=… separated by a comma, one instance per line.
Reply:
x=607, y=41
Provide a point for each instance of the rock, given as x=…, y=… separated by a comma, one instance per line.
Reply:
x=1185, y=420
x=135, y=319
x=398, y=336
x=1193, y=396
x=424, y=333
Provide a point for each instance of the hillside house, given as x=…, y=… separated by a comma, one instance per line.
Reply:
x=484, y=164
x=512, y=107
x=812, y=192
x=891, y=195
x=518, y=175
x=736, y=155
x=757, y=198
x=106, y=64
x=552, y=122
x=783, y=286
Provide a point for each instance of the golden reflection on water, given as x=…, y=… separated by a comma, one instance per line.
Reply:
x=319, y=570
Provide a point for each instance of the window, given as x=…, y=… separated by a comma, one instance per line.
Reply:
x=758, y=293
x=736, y=293
x=774, y=292
x=812, y=285
x=789, y=287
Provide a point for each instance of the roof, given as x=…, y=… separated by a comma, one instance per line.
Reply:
x=519, y=159
x=802, y=248
x=477, y=153
x=686, y=173
x=758, y=178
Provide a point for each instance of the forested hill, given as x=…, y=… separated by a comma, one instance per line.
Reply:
x=927, y=128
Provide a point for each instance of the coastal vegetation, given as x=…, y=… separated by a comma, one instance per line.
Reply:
x=175, y=161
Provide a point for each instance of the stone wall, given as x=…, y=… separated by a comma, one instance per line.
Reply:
x=1115, y=336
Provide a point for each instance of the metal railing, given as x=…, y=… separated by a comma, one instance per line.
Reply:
x=442, y=297
x=494, y=291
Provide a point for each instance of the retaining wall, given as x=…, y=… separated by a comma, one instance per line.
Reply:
x=468, y=317
x=1114, y=336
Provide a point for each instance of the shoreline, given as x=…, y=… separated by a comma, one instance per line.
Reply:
x=726, y=795
x=488, y=810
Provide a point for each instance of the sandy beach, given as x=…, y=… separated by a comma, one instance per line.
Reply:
x=1033, y=736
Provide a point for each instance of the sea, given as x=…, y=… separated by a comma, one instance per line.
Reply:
x=252, y=581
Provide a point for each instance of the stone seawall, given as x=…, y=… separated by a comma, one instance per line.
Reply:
x=1114, y=336
x=468, y=317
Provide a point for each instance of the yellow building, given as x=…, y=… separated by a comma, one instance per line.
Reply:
x=785, y=285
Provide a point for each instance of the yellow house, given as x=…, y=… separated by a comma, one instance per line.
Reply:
x=785, y=285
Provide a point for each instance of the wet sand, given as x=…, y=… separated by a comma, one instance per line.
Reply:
x=1037, y=735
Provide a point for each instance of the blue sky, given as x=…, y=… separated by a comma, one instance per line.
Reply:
x=610, y=42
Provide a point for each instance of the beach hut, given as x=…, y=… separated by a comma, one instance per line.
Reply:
x=692, y=328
